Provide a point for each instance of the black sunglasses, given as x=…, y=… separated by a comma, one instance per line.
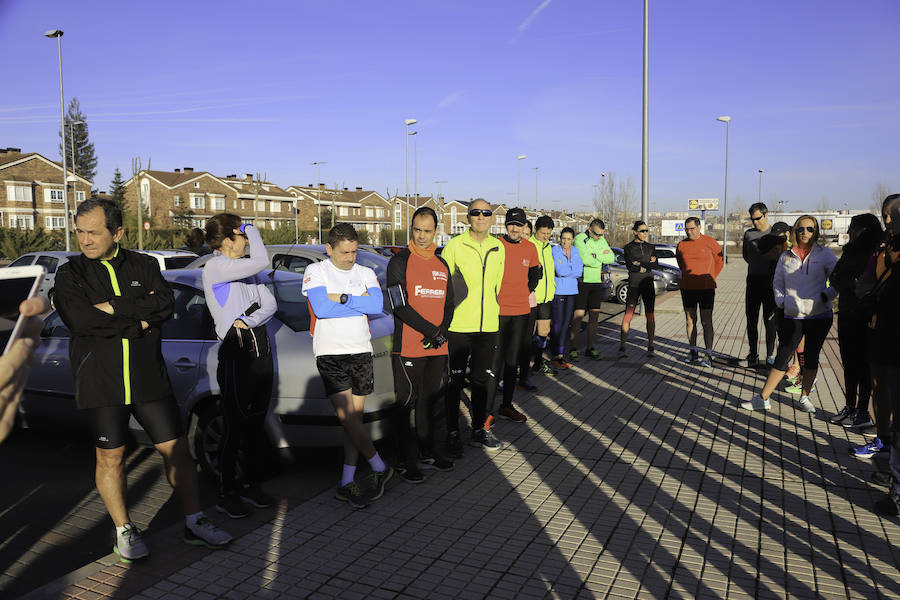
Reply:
x=643, y=230
x=484, y=212
x=807, y=229
x=755, y=219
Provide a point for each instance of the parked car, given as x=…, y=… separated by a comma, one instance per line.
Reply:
x=619, y=275
x=51, y=261
x=665, y=254
x=171, y=259
x=300, y=415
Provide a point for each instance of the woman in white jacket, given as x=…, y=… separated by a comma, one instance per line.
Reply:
x=804, y=293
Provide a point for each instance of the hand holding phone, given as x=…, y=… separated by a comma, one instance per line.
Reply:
x=14, y=363
x=17, y=284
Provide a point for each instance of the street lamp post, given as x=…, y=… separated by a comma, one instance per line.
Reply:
x=727, y=121
x=535, y=187
x=318, y=164
x=760, y=186
x=58, y=33
x=415, y=166
x=519, y=160
x=645, y=142
x=407, y=122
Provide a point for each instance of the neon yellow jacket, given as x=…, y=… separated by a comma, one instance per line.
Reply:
x=546, y=287
x=594, y=254
x=476, y=271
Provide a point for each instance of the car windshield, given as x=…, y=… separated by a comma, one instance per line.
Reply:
x=179, y=262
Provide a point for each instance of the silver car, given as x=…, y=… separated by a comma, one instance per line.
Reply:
x=51, y=260
x=300, y=414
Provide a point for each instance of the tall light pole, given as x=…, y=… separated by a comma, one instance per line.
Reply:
x=535, y=186
x=760, y=186
x=519, y=160
x=318, y=164
x=727, y=121
x=645, y=143
x=407, y=122
x=415, y=165
x=58, y=33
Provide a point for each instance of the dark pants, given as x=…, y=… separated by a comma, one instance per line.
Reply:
x=893, y=375
x=509, y=347
x=421, y=385
x=563, y=309
x=857, y=376
x=245, y=381
x=527, y=349
x=760, y=295
x=791, y=331
x=475, y=350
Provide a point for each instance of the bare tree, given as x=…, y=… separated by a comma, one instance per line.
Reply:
x=880, y=192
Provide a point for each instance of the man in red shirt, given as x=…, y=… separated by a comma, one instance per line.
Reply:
x=700, y=259
x=422, y=301
x=521, y=274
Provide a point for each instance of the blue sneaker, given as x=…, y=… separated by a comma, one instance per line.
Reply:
x=867, y=450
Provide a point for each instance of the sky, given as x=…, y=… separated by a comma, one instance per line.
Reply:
x=270, y=87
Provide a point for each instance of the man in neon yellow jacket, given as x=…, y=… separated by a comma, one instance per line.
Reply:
x=595, y=253
x=476, y=260
x=543, y=295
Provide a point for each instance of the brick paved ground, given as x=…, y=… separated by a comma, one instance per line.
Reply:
x=633, y=478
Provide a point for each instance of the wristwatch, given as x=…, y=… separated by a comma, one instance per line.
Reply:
x=344, y=298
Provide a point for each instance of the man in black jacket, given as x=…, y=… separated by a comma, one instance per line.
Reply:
x=113, y=302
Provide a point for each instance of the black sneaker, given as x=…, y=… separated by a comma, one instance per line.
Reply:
x=860, y=420
x=375, y=482
x=485, y=439
x=544, y=369
x=255, y=496
x=573, y=356
x=353, y=494
x=527, y=386
x=889, y=505
x=845, y=414
x=750, y=362
x=593, y=354
x=233, y=506
x=436, y=463
x=411, y=475
x=454, y=445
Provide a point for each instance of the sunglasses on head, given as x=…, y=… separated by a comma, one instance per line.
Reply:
x=484, y=212
x=808, y=229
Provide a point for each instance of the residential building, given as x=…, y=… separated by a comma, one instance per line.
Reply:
x=366, y=210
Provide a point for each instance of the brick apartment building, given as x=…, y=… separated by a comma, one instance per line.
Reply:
x=366, y=210
x=31, y=194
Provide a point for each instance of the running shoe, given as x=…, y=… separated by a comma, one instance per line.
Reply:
x=806, y=405
x=651, y=351
x=544, y=369
x=751, y=361
x=573, y=356
x=845, y=414
x=770, y=361
x=560, y=363
x=436, y=463
x=593, y=354
x=129, y=544
x=867, y=450
x=797, y=388
x=756, y=403
x=860, y=420
x=705, y=361
x=454, y=445
x=205, y=533
x=233, y=506
x=375, y=482
x=485, y=439
x=411, y=474
x=255, y=496
x=527, y=386
x=353, y=494
x=692, y=358
x=509, y=412
x=889, y=505
x=623, y=353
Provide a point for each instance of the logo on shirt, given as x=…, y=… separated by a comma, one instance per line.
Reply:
x=439, y=275
x=526, y=262
x=425, y=292
x=135, y=284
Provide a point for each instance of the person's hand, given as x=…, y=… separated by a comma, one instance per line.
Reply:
x=652, y=259
x=238, y=324
x=335, y=297
x=14, y=363
x=105, y=307
x=145, y=325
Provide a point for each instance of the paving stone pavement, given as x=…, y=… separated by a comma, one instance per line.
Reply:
x=633, y=478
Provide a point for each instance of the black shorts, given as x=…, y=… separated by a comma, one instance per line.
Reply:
x=543, y=311
x=161, y=420
x=590, y=296
x=644, y=290
x=690, y=299
x=342, y=372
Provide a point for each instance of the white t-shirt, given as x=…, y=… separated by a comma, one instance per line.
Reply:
x=341, y=335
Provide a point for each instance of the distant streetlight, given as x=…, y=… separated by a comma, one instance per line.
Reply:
x=760, y=186
x=58, y=33
x=407, y=122
x=519, y=160
x=727, y=121
x=415, y=165
x=535, y=186
x=318, y=165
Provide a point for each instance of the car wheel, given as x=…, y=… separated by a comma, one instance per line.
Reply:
x=622, y=293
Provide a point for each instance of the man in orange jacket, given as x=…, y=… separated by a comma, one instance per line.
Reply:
x=700, y=258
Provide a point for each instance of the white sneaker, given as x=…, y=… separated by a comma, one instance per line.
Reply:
x=770, y=360
x=205, y=533
x=129, y=544
x=806, y=405
x=756, y=403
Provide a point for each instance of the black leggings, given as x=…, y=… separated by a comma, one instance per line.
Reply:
x=509, y=347
x=791, y=331
x=857, y=375
x=245, y=381
x=475, y=351
x=527, y=351
x=420, y=384
x=563, y=309
x=760, y=295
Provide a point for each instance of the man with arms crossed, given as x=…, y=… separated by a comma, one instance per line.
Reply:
x=759, y=293
x=422, y=299
x=595, y=253
x=113, y=301
x=544, y=293
x=341, y=293
x=476, y=261
x=700, y=259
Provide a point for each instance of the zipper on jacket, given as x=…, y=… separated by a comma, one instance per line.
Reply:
x=126, y=349
x=483, y=273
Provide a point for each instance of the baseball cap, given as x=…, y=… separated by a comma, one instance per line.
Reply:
x=780, y=228
x=516, y=216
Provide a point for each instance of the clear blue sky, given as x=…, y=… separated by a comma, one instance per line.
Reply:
x=240, y=87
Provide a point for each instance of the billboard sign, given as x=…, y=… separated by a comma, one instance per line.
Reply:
x=703, y=204
x=673, y=228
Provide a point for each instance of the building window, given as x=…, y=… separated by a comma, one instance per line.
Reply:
x=196, y=185
x=243, y=205
x=198, y=202
x=21, y=221
x=260, y=206
x=453, y=217
x=201, y=223
x=275, y=206
x=54, y=222
x=55, y=195
x=218, y=203
x=145, y=191
x=343, y=211
x=18, y=193
x=176, y=199
x=79, y=197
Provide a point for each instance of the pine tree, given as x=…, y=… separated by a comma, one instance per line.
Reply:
x=85, y=159
x=117, y=188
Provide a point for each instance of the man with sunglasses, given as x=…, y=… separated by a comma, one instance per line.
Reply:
x=476, y=261
x=595, y=254
x=640, y=259
x=759, y=293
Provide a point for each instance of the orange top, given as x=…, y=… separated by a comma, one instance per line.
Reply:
x=514, y=291
x=700, y=261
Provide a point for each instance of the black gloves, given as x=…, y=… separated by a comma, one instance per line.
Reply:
x=435, y=341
